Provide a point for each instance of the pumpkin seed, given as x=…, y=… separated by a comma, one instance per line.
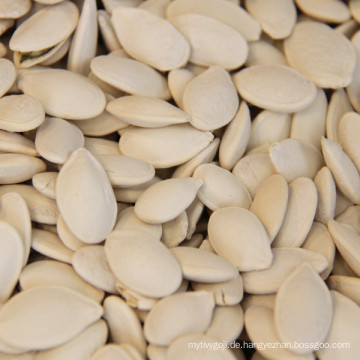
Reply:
x=45, y=183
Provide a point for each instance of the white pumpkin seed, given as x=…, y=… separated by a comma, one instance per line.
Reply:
x=16, y=143
x=66, y=236
x=326, y=189
x=146, y=111
x=235, y=138
x=15, y=212
x=86, y=202
x=50, y=272
x=46, y=316
x=124, y=325
x=131, y=76
x=311, y=313
x=20, y=113
x=351, y=216
x=131, y=257
x=211, y=99
x=177, y=315
x=63, y=94
x=107, y=31
x=277, y=19
x=320, y=240
x=81, y=346
x=346, y=285
x=203, y=266
x=270, y=203
x=285, y=261
x=111, y=351
x=100, y=146
x=49, y=244
x=322, y=54
x=12, y=259
x=45, y=183
x=238, y=236
x=137, y=31
x=220, y=188
x=262, y=52
x=91, y=264
x=14, y=9
x=275, y=87
x=164, y=147
x=7, y=75
x=212, y=42
x=193, y=212
x=343, y=170
x=178, y=79
x=300, y=213
x=174, y=231
x=344, y=328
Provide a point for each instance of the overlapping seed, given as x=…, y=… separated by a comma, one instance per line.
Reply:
x=167, y=164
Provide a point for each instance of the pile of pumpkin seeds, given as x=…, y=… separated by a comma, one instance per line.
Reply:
x=179, y=180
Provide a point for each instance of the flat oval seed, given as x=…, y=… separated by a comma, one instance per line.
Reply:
x=63, y=93
x=146, y=111
x=164, y=147
x=277, y=19
x=253, y=170
x=16, y=143
x=203, y=266
x=294, y=158
x=326, y=188
x=12, y=259
x=346, y=285
x=335, y=56
x=309, y=125
x=179, y=349
x=50, y=272
x=166, y=200
x=137, y=31
x=220, y=188
x=299, y=215
x=311, y=313
x=339, y=105
x=91, y=264
x=275, y=87
x=58, y=20
x=211, y=99
x=285, y=261
x=178, y=79
x=226, y=324
x=14, y=9
x=56, y=139
x=212, y=41
x=49, y=244
x=320, y=240
x=126, y=171
x=66, y=236
x=20, y=113
x=81, y=346
x=174, y=231
x=131, y=76
x=132, y=257
x=347, y=241
x=270, y=203
x=226, y=293
x=329, y=11
x=235, y=139
x=7, y=75
x=84, y=42
x=45, y=317
x=100, y=146
x=345, y=174
x=344, y=329
x=124, y=324
x=238, y=236
x=85, y=197
x=42, y=209
x=349, y=126
x=15, y=212
x=260, y=326
x=45, y=183
x=350, y=216
x=111, y=351
x=227, y=13
x=16, y=168
x=179, y=314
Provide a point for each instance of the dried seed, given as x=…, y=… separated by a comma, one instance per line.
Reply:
x=346, y=285
x=16, y=143
x=45, y=183
x=262, y=52
x=174, y=231
x=13, y=9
